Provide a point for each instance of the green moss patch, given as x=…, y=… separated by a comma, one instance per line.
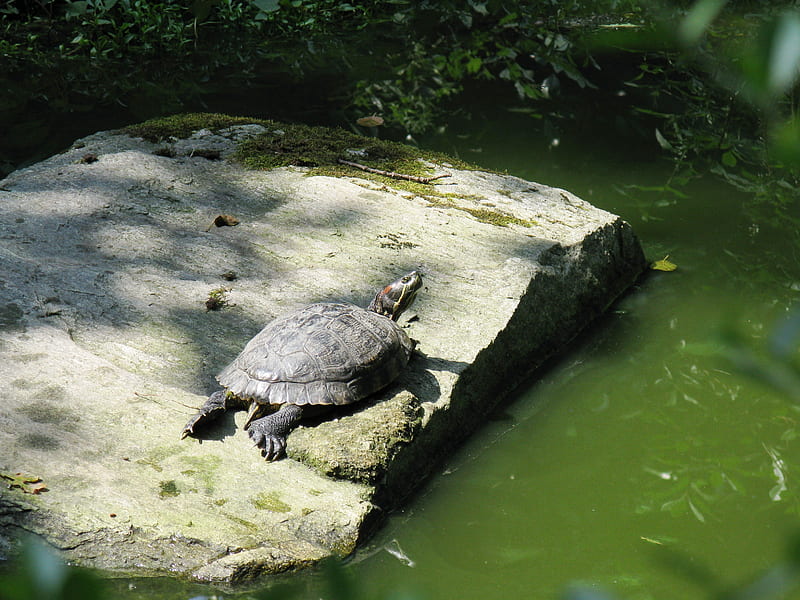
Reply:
x=270, y=501
x=184, y=125
x=203, y=469
x=494, y=217
x=320, y=149
x=286, y=144
x=484, y=215
x=168, y=489
x=158, y=454
x=249, y=525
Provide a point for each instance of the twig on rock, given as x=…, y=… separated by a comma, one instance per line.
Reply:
x=392, y=174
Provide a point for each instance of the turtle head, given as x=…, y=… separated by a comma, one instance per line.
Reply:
x=396, y=297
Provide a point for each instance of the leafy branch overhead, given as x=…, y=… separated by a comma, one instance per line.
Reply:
x=432, y=50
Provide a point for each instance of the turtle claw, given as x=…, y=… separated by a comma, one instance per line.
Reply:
x=213, y=408
x=269, y=433
x=272, y=446
x=189, y=427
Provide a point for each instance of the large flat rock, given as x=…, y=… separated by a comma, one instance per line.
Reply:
x=107, y=347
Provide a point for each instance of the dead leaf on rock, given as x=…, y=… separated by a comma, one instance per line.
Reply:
x=29, y=484
x=224, y=221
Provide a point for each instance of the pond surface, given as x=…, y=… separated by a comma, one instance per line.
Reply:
x=638, y=462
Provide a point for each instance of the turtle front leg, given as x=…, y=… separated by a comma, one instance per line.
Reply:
x=269, y=433
x=216, y=404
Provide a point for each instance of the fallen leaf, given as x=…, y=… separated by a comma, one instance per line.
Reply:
x=371, y=121
x=29, y=484
x=223, y=221
x=663, y=265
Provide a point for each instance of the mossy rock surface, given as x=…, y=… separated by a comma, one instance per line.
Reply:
x=109, y=345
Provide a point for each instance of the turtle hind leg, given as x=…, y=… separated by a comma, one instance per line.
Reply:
x=269, y=433
x=217, y=403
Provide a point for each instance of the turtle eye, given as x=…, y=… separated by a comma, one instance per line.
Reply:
x=405, y=279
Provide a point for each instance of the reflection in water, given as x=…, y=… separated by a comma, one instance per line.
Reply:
x=395, y=550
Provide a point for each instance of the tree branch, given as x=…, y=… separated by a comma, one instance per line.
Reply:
x=392, y=174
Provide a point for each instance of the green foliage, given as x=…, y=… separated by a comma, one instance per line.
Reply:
x=436, y=51
x=42, y=576
x=427, y=50
x=724, y=100
x=775, y=583
x=776, y=363
x=69, y=54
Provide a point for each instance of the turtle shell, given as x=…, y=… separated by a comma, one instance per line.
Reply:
x=320, y=354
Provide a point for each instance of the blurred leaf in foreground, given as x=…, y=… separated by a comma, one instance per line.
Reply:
x=41, y=575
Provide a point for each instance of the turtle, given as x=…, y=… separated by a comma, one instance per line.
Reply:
x=323, y=354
